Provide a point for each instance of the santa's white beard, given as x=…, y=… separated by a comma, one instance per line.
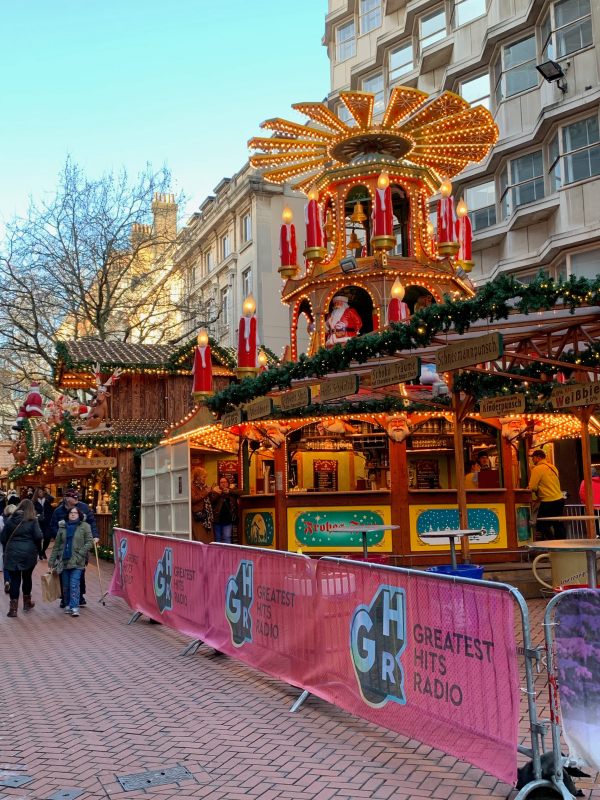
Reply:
x=336, y=316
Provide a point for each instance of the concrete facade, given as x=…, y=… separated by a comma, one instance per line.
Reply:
x=535, y=202
x=230, y=247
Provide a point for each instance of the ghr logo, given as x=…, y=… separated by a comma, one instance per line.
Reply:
x=121, y=553
x=162, y=581
x=238, y=601
x=377, y=640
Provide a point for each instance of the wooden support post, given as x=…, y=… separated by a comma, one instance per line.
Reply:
x=584, y=415
x=461, y=408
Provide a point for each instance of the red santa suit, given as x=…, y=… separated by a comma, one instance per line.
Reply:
x=33, y=402
x=343, y=323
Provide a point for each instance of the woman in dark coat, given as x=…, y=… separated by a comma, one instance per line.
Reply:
x=21, y=538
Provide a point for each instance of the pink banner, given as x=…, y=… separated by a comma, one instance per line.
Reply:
x=431, y=659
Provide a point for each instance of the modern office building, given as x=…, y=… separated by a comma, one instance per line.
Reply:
x=229, y=249
x=535, y=202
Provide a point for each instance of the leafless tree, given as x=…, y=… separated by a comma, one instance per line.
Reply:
x=90, y=261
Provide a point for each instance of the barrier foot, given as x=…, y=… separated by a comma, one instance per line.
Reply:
x=559, y=787
x=134, y=617
x=191, y=648
x=305, y=694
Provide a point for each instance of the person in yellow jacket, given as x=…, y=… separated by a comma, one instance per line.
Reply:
x=544, y=483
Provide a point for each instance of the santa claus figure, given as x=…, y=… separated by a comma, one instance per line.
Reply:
x=33, y=401
x=342, y=323
x=397, y=428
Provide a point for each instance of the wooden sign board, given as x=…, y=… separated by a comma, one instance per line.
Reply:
x=334, y=388
x=231, y=418
x=470, y=352
x=408, y=369
x=95, y=463
x=63, y=471
x=259, y=408
x=499, y=406
x=577, y=394
x=296, y=398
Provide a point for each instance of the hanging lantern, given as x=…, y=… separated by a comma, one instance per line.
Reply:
x=354, y=242
x=314, y=232
x=329, y=227
x=287, y=246
x=358, y=215
x=383, y=219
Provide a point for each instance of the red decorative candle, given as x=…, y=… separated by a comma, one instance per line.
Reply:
x=287, y=241
x=445, y=214
x=202, y=369
x=383, y=220
x=312, y=214
x=247, y=341
x=464, y=232
x=397, y=310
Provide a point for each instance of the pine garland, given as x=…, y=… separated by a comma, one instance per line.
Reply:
x=494, y=301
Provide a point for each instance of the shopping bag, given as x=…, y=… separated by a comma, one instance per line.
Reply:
x=50, y=587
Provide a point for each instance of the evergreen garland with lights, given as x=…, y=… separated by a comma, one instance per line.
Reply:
x=494, y=301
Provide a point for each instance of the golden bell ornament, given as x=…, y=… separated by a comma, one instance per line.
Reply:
x=358, y=215
x=354, y=242
x=328, y=227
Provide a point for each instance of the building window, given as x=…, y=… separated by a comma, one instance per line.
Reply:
x=370, y=15
x=208, y=260
x=345, y=41
x=514, y=71
x=481, y=202
x=522, y=182
x=477, y=91
x=344, y=114
x=246, y=228
x=225, y=247
x=554, y=164
x=585, y=264
x=432, y=28
x=374, y=84
x=246, y=282
x=567, y=28
x=467, y=10
x=225, y=315
x=581, y=147
x=401, y=61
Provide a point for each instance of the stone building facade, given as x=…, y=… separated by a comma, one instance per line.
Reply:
x=535, y=203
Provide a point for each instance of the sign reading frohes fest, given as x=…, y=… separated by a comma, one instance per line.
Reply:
x=408, y=369
x=470, y=352
x=577, y=394
x=499, y=406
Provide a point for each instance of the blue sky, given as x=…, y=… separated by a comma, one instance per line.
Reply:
x=123, y=82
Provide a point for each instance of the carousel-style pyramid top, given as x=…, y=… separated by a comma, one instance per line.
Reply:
x=442, y=134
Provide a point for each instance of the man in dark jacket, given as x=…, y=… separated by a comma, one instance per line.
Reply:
x=42, y=500
x=61, y=512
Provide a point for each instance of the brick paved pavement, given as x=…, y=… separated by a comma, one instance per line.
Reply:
x=87, y=699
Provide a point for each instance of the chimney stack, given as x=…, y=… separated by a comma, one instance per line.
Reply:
x=164, y=213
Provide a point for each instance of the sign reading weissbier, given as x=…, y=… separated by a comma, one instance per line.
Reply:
x=470, y=352
x=295, y=398
x=408, y=369
x=577, y=394
x=499, y=406
x=259, y=408
x=338, y=387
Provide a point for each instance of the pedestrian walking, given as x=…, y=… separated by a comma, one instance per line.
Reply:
x=544, y=483
x=43, y=506
x=21, y=538
x=595, y=487
x=70, y=500
x=3, y=518
x=73, y=542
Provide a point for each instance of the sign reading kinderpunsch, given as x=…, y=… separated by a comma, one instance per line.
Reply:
x=499, y=406
x=577, y=394
x=338, y=387
x=470, y=352
x=397, y=372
